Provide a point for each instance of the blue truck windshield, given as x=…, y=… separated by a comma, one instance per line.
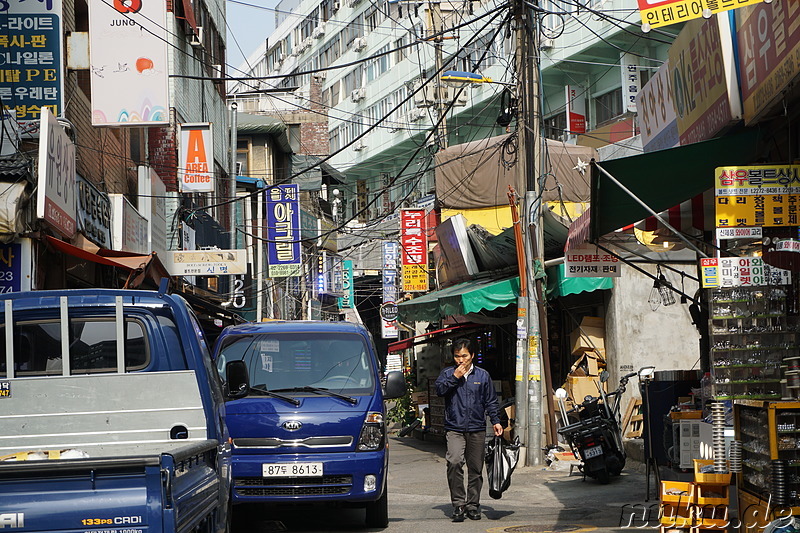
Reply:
x=336, y=361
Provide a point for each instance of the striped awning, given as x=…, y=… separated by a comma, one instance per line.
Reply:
x=695, y=213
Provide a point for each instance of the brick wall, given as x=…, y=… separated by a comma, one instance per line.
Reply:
x=314, y=137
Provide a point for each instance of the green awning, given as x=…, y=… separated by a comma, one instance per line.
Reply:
x=558, y=284
x=468, y=297
x=662, y=179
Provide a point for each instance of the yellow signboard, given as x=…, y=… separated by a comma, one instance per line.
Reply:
x=415, y=278
x=666, y=12
x=757, y=196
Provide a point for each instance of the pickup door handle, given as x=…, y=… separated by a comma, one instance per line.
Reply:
x=166, y=476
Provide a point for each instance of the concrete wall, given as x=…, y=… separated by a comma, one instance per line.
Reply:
x=637, y=336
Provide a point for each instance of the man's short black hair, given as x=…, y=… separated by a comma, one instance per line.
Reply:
x=464, y=342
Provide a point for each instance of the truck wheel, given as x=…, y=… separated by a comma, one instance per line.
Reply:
x=378, y=511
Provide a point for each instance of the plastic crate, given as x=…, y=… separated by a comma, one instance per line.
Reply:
x=711, y=495
x=712, y=517
x=680, y=499
x=676, y=516
x=709, y=479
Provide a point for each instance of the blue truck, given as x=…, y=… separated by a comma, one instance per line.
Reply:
x=306, y=414
x=111, y=415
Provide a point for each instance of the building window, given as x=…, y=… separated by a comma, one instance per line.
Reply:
x=555, y=127
x=608, y=106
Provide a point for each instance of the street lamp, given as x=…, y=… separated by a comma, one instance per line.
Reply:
x=460, y=78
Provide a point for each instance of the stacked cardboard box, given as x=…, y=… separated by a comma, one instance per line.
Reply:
x=588, y=344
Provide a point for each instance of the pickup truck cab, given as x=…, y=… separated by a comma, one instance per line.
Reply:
x=307, y=419
x=112, y=415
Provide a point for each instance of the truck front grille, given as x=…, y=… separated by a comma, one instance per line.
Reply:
x=312, y=486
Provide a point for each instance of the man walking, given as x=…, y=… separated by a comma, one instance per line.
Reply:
x=469, y=396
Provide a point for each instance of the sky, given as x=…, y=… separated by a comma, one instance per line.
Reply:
x=249, y=25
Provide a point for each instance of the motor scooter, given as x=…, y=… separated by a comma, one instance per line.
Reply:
x=596, y=436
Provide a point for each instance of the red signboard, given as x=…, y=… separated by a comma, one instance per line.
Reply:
x=414, y=250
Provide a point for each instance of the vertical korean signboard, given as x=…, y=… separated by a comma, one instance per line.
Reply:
x=389, y=327
x=283, y=231
x=56, y=190
x=631, y=84
x=196, y=158
x=128, y=58
x=576, y=110
x=31, y=78
x=15, y=266
x=769, y=42
x=348, y=299
x=414, y=247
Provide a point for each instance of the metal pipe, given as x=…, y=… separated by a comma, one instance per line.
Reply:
x=9, y=325
x=65, y=370
x=232, y=173
x=120, y=326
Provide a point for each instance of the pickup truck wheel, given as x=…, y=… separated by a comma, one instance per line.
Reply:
x=378, y=511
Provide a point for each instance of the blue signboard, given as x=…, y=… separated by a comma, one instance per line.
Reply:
x=283, y=231
x=347, y=301
x=30, y=59
x=10, y=267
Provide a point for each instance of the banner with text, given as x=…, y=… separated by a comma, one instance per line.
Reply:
x=283, y=231
x=740, y=272
x=414, y=247
x=588, y=261
x=757, y=196
x=389, y=328
x=196, y=162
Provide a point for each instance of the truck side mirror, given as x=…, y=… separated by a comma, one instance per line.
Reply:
x=395, y=386
x=238, y=382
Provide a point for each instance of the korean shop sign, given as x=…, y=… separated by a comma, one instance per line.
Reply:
x=657, y=13
x=740, y=272
x=414, y=250
x=590, y=262
x=757, y=196
x=768, y=38
x=31, y=76
x=283, y=231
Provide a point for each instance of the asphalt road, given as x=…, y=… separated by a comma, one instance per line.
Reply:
x=539, y=501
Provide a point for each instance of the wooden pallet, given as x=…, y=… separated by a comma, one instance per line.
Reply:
x=633, y=420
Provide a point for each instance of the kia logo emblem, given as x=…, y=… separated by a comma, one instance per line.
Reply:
x=292, y=425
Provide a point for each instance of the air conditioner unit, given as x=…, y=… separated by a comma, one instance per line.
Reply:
x=281, y=57
x=217, y=71
x=416, y=114
x=307, y=43
x=394, y=127
x=335, y=7
x=359, y=145
x=358, y=94
x=547, y=44
x=196, y=38
x=359, y=44
x=425, y=96
x=319, y=31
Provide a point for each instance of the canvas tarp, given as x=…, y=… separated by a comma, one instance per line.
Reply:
x=477, y=174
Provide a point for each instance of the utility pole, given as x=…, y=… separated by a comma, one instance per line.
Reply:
x=531, y=310
x=440, y=95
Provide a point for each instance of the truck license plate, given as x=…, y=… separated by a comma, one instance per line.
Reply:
x=291, y=469
x=594, y=451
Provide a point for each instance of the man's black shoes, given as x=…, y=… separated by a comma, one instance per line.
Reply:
x=473, y=514
x=459, y=513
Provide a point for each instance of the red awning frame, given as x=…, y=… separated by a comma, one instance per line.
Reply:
x=138, y=265
x=404, y=344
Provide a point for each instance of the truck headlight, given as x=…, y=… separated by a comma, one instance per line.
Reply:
x=372, y=433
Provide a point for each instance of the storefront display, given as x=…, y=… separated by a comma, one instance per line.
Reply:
x=769, y=433
x=753, y=342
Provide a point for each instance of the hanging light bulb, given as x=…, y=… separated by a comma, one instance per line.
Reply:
x=665, y=288
x=655, y=296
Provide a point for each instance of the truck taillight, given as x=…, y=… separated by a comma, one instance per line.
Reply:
x=373, y=433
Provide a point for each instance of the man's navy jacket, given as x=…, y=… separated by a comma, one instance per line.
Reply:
x=468, y=400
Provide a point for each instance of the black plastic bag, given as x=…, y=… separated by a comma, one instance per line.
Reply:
x=501, y=459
